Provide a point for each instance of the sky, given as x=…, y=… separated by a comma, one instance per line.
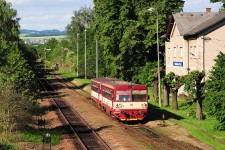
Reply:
x=56, y=14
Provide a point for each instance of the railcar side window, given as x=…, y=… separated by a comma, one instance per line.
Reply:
x=95, y=87
x=107, y=93
x=139, y=95
x=123, y=95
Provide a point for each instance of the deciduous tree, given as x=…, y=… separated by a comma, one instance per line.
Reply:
x=167, y=82
x=215, y=92
x=177, y=82
x=194, y=86
x=9, y=30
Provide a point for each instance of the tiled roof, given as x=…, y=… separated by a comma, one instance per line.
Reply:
x=193, y=23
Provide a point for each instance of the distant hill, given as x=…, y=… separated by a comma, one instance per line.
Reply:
x=35, y=33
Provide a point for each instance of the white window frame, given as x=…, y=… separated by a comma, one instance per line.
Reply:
x=181, y=52
x=175, y=52
x=169, y=53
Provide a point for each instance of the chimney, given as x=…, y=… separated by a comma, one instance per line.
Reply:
x=208, y=10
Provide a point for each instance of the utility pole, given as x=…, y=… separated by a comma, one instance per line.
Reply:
x=77, y=54
x=85, y=67
x=96, y=58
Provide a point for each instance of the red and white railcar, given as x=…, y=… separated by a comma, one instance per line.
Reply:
x=124, y=100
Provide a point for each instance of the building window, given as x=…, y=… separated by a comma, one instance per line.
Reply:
x=169, y=52
x=181, y=52
x=175, y=52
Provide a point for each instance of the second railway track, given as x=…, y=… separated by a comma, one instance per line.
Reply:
x=86, y=137
x=149, y=135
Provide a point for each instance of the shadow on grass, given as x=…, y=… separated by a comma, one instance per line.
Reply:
x=83, y=85
x=70, y=79
x=156, y=113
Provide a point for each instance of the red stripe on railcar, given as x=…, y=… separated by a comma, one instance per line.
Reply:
x=124, y=100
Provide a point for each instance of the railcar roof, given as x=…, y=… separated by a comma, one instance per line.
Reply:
x=120, y=83
x=113, y=82
x=105, y=79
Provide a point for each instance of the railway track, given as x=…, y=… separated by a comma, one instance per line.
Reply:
x=149, y=135
x=84, y=137
x=143, y=133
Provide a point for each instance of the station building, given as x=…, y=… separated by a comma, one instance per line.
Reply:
x=193, y=41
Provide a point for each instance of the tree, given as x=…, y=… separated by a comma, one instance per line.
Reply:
x=29, y=53
x=215, y=92
x=81, y=20
x=82, y=23
x=9, y=30
x=194, y=87
x=17, y=82
x=13, y=64
x=145, y=74
x=127, y=33
x=18, y=72
x=175, y=85
x=14, y=108
x=167, y=82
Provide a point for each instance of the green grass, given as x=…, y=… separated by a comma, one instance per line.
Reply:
x=185, y=117
x=72, y=76
x=36, y=135
x=68, y=75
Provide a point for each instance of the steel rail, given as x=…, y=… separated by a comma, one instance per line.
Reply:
x=86, y=134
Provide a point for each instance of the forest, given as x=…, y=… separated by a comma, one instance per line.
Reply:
x=124, y=38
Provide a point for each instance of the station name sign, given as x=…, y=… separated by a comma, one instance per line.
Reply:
x=179, y=64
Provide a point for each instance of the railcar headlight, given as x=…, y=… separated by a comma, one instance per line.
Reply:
x=144, y=105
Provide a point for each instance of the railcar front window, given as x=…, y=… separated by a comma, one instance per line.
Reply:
x=139, y=95
x=123, y=95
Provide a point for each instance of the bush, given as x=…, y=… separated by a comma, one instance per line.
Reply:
x=5, y=146
x=14, y=108
x=215, y=92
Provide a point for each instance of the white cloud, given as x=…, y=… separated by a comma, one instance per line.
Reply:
x=65, y=17
x=47, y=14
x=18, y=2
x=200, y=5
x=66, y=0
x=48, y=17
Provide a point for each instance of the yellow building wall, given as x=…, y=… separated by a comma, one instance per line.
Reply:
x=175, y=53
